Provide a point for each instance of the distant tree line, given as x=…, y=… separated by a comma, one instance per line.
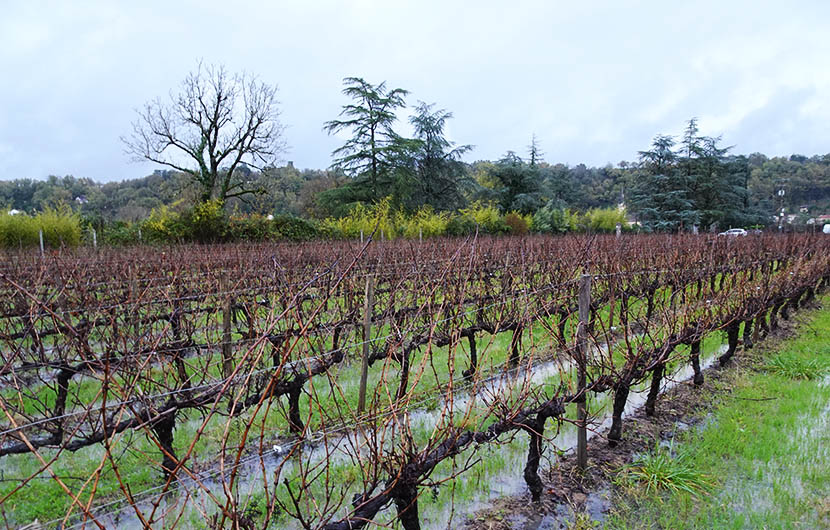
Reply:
x=220, y=138
x=750, y=193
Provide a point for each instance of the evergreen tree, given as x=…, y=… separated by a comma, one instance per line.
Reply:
x=660, y=197
x=375, y=150
x=696, y=184
x=534, y=151
x=440, y=176
x=520, y=184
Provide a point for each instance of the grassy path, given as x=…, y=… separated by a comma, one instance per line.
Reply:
x=762, y=460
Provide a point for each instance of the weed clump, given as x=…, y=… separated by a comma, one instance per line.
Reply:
x=793, y=367
x=660, y=471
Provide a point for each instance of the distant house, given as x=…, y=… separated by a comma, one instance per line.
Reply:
x=821, y=219
x=81, y=199
x=15, y=212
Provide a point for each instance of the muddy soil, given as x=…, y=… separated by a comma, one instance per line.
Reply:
x=570, y=496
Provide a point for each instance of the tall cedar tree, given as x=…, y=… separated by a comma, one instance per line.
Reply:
x=696, y=184
x=661, y=196
x=520, y=184
x=439, y=174
x=374, y=149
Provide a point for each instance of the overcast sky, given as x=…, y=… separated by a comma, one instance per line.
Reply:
x=594, y=82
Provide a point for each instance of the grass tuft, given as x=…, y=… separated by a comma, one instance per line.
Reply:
x=581, y=521
x=660, y=471
x=798, y=368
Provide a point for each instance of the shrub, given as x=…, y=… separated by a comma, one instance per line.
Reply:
x=203, y=223
x=487, y=217
x=605, y=219
x=257, y=227
x=120, y=233
x=362, y=218
x=294, y=228
x=18, y=231
x=163, y=226
x=461, y=225
x=517, y=224
x=551, y=219
x=60, y=227
x=249, y=228
x=424, y=222
x=206, y=222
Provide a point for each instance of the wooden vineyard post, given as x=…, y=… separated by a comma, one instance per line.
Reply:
x=367, y=333
x=227, y=307
x=582, y=367
x=40, y=234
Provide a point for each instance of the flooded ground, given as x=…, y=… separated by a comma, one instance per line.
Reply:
x=445, y=506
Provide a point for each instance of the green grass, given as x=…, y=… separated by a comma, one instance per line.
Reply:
x=660, y=470
x=44, y=499
x=795, y=367
x=766, y=445
x=432, y=369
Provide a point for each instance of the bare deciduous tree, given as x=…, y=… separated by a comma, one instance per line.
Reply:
x=217, y=123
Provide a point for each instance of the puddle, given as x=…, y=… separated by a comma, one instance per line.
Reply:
x=499, y=468
x=772, y=486
x=598, y=504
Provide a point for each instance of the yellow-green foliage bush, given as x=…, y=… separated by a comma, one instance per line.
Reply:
x=487, y=217
x=604, y=219
x=17, y=231
x=528, y=218
x=206, y=222
x=163, y=225
x=364, y=219
x=60, y=227
x=425, y=222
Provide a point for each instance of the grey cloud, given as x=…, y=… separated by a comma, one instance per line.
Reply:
x=594, y=82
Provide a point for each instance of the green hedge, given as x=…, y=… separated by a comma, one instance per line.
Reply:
x=208, y=223
x=260, y=228
x=60, y=228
